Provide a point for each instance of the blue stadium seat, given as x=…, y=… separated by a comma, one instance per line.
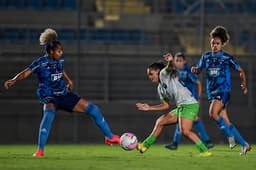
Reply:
x=136, y=37
x=181, y=6
x=120, y=36
x=102, y=36
x=35, y=4
x=53, y=4
x=10, y=35
x=3, y=3
x=33, y=35
x=15, y=4
x=67, y=35
x=84, y=35
x=92, y=36
x=231, y=7
x=251, y=7
x=70, y=4
x=99, y=36
x=214, y=7
x=95, y=36
x=11, y=4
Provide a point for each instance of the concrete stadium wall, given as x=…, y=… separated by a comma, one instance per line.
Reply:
x=20, y=121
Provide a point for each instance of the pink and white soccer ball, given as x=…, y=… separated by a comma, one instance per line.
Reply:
x=128, y=141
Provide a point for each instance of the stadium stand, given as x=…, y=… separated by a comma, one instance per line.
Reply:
x=104, y=36
x=39, y=4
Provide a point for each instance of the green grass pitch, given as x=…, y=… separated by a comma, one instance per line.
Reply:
x=102, y=157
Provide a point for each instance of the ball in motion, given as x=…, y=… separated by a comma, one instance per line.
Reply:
x=128, y=141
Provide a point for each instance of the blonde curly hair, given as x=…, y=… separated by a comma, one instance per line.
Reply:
x=49, y=35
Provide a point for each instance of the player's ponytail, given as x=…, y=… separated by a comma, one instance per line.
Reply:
x=48, y=38
x=220, y=32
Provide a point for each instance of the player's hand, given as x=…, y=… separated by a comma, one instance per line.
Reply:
x=168, y=57
x=244, y=88
x=143, y=106
x=9, y=83
x=70, y=85
x=195, y=70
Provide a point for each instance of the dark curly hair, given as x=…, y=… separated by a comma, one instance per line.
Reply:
x=158, y=65
x=220, y=32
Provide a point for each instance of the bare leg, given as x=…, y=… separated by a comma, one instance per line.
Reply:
x=224, y=114
x=215, y=109
x=186, y=126
x=162, y=121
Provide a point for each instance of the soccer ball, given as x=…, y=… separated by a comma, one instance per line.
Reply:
x=128, y=141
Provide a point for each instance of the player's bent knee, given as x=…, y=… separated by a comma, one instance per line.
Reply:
x=81, y=106
x=214, y=116
x=161, y=121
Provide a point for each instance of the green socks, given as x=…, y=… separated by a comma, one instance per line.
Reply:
x=149, y=141
x=201, y=147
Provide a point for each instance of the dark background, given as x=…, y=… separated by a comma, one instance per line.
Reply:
x=108, y=45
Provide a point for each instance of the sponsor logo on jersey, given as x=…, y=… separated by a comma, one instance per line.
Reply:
x=213, y=72
x=56, y=77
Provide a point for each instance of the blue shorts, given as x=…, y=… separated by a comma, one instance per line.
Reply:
x=222, y=96
x=66, y=102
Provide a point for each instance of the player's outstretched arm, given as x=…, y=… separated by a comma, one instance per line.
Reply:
x=169, y=58
x=70, y=84
x=145, y=107
x=243, y=79
x=20, y=76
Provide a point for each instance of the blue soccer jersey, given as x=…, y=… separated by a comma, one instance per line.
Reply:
x=217, y=71
x=189, y=79
x=50, y=77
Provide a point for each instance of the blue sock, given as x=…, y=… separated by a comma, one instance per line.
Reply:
x=45, y=127
x=198, y=125
x=237, y=135
x=177, y=135
x=93, y=111
x=223, y=126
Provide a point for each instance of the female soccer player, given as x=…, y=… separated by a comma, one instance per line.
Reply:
x=54, y=94
x=192, y=82
x=170, y=88
x=194, y=85
x=217, y=64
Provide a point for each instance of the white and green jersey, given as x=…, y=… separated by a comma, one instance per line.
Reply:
x=171, y=89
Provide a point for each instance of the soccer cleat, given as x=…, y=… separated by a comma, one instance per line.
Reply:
x=209, y=144
x=38, y=153
x=141, y=148
x=114, y=139
x=232, y=142
x=205, y=154
x=172, y=146
x=245, y=149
